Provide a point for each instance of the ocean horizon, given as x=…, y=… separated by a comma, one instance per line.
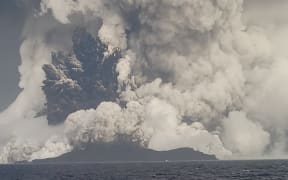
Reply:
x=200, y=170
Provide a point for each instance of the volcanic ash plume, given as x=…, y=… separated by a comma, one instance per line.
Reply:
x=165, y=74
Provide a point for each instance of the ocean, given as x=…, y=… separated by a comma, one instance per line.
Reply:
x=198, y=170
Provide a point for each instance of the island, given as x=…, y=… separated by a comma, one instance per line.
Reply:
x=124, y=152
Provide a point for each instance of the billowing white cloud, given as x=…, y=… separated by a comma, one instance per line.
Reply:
x=243, y=136
x=193, y=75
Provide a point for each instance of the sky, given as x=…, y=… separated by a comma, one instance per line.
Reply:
x=11, y=20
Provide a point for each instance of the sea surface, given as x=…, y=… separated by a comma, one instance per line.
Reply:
x=205, y=170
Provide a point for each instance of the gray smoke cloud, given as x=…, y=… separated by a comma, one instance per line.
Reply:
x=192, y=73
x=81, y=80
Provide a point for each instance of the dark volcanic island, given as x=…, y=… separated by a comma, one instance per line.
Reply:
x=82, y=79
x=123, y=152
x=105, y=152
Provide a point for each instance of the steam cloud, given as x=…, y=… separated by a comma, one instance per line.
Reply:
x=186, y=73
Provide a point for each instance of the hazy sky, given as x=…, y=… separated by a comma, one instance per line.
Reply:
x=12, y=17
x=11, y=20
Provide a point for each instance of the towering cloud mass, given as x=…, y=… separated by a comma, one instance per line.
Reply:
x=166, y=74
x=80, y=81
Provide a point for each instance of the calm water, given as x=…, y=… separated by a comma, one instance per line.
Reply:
x=190, y=170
